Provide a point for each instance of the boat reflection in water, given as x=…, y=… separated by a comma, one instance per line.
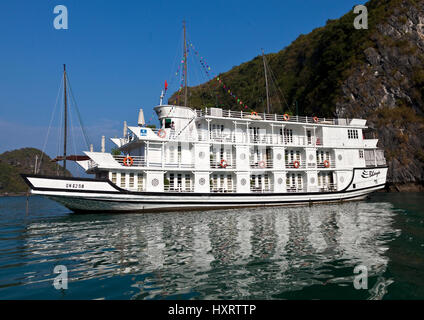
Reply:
x=266, y=253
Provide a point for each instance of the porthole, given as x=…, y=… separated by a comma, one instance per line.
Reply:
x=312, y=180
x=311, y=157
x=342, y=179
x=243, y=156
x=340, y=157
x=202, y=181
x=155, y=182
x=280, y=180
x=279, y=156
x=201, y=155
x=243, y=182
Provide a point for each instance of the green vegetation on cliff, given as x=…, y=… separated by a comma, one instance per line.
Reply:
x=376, y=74
x=13, y=163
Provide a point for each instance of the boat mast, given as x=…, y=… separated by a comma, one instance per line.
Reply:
x=65, y=120
x=266, y=82
x=185, y=66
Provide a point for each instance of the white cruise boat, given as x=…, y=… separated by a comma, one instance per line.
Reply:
x=203, y=159
x=210, y=158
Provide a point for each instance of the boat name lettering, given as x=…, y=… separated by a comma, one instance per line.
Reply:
x=369, y=173
x=75, y=185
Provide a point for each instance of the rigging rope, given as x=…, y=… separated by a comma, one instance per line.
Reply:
x=87, y=141
x=50, y=125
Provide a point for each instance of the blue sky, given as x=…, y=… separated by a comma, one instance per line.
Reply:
x=119, y=53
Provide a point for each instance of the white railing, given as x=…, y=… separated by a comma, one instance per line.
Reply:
x=262, y=189
x=222, y=190
x=294, y=189
x=137, y=161
x=291, y=165
x=328, y=187
x=233, y=137
x=268, y=117
x=331, y=164
x=216, y=164
x=179, y=188
x=261, y=164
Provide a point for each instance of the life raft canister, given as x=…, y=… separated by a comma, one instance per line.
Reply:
x=223, y=163
x=162, y=133
x=326, y=163
x=128, y=161
x=296, y=164
x=286, y=117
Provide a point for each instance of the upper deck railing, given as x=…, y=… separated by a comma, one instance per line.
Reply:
x=221, y=113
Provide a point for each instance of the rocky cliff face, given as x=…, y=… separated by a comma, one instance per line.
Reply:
x=375, y=74
x=387, y=89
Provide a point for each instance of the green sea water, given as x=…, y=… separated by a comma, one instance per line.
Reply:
x=263, y=253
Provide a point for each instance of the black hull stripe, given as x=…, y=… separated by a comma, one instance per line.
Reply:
x=253, y=202
x=218, y=194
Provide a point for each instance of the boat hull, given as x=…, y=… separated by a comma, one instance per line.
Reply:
x=90, y=195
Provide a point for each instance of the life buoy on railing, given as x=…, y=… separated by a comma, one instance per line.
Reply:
x=296, y=164
x=161, y=133
x=128, y=161
x=254, y=113
x=326, y=163
x=261, y=164
x=315, y=119
x=223, y=163
x=286, y=117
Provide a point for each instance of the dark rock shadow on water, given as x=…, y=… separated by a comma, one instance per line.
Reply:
x=264, y=253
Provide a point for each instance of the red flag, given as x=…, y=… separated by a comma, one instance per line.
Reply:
x=166, y=85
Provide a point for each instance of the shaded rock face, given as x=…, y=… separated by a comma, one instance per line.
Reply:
x=387, y=89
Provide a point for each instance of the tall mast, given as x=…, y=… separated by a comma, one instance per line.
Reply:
x=65, y=120
x=185, y=66
x=266, y=82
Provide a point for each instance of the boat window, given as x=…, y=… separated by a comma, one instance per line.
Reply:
x=168, y=123
x=122, y=180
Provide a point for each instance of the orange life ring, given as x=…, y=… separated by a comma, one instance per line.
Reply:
x=223, y=163
x=254, y=113
x=296, y=164
x=261, y=164
x=128, y=161
x=162, y=133
x=316, y=119
x=326, y=163
x=286, y=117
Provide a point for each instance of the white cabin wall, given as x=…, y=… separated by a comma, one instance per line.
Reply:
x=201, y=156
x=243, y=182
x=242, y=157
x=201, y=182
x=279, y=181
x=154, y=181
x=312, y=181
x=278, y=157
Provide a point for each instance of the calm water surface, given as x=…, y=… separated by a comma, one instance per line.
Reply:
x=272, y=253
